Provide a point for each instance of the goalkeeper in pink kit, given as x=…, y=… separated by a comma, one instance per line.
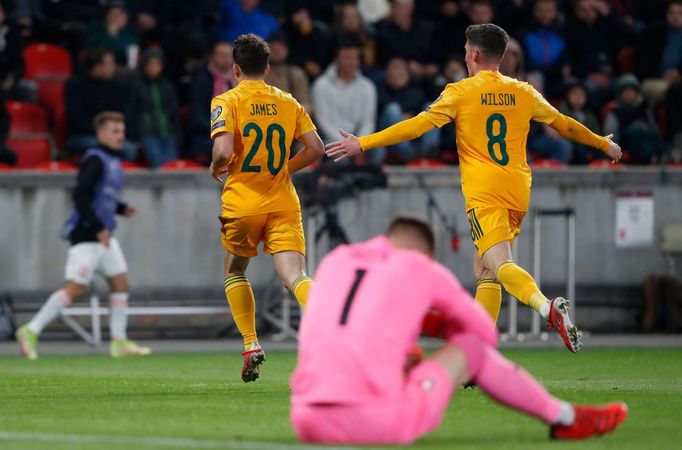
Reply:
x=365, y=314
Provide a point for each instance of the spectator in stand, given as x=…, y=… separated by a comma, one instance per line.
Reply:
x=285, y=76
x=404, y=36
x=454, y=21
x=594, y=36
x=12, y=43
x=242, y=17
x=399, y=99
x=349, y=21
x=575, y=106
x=545, y=46
x=632, y=125
x=156, y=111
x=308, y=39
x=658, y=57
x=113, y=34
x=344, y=99
x=87, y=95
x=209, y=81
x=673, y=102
x=512, y=64
x=61, y=22
x=7, y=156
x=374, y=10
x=543, y=140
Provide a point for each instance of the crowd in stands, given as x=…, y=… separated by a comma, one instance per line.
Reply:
x=614, y=65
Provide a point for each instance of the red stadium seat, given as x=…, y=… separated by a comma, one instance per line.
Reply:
x=50, y=66
x=426, y=164
x=26, y=119
x=182, y=164
x=605, y=164
x=55, y=166
x=30, y=152
x=46, y=61
x=131, y=166
x=625, y=60
x=540, y=163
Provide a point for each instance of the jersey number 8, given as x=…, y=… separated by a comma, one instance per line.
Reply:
x=498, y=138
x=269, y=137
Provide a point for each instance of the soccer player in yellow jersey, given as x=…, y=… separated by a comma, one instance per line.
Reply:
x=253, y=126
x=492, y=115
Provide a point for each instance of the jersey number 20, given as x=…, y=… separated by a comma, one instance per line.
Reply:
x=269, y=137
x=497, y=139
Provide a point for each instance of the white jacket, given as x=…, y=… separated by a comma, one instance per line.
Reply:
x=338, y=104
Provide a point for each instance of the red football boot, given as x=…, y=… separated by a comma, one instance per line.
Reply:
x=561, y=321
x=252, y=362
x=591, y=421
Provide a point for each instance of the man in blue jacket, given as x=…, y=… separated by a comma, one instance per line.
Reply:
x=93, y=249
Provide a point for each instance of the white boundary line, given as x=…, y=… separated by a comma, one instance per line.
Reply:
x=145, y=441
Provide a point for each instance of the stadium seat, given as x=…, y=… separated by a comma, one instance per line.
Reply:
x=131, y=166
x=426, y=164
x=625, y=60
x=539, y=163
x=182, y=164
x=605, y=164
x=26, y=119
x=46, y=61
x=50, y=66
x=55, y=166
x=30, y=152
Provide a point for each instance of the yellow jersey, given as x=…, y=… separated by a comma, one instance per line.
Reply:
x=264, y=121
x=492, y=114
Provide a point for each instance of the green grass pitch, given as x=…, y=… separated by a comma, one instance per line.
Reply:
x=198, y=401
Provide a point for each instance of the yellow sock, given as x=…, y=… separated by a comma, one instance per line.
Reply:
x=243, y=307
x=300, y=288
x=489, y=295
x=520, y=284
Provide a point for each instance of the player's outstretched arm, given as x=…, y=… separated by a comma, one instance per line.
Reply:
x=576, y=131
x=312, y=151
x=223, y=146
x=400, y=132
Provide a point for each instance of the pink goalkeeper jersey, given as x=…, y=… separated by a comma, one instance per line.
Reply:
x=364, y=314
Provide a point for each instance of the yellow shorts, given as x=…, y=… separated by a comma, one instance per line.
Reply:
x=492, y=225
x=279, y=231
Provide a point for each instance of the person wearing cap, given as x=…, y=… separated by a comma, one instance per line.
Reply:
x=631, y=122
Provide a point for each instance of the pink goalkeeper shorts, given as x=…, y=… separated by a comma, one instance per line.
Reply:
x=400, y=420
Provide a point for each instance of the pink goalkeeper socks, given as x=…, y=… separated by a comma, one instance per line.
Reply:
x=505, y=382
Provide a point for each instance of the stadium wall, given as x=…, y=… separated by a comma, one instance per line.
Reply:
x=173, y=241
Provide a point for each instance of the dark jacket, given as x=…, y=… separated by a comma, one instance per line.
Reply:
x=414, y=44
x=89, y=174
x=156, y=108
x=201, y=94
x=649, y=51
x=85, y=97
x=593, y=48
x=410, y=98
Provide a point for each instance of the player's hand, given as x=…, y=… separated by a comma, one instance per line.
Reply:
x=349, y=146
x=614, y=151
x=103, y=237
x=216, y=172
x=129, y=212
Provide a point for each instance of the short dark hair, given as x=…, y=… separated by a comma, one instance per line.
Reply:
x=94, y=58
x=345, y=41
x=107, y=116
x=489, y=38
x=417, y=224
x=251, y=53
